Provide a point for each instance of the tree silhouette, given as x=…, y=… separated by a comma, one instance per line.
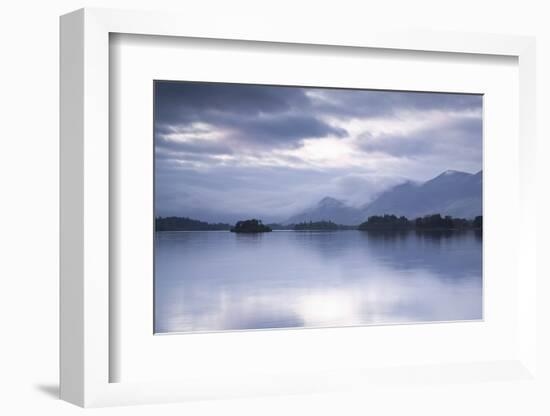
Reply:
x=250, y=226
x=425, y=223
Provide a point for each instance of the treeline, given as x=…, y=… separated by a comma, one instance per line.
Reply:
x=385, y=222
x=277, y=226
x=428, y=222
x=320, y=225
x=187, y=224
x=374, y=223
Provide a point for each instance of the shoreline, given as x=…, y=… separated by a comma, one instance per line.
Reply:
x=332, y=231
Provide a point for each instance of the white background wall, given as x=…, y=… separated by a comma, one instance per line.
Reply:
x=29, y=204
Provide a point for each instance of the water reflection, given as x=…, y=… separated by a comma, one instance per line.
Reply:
x=210, y=281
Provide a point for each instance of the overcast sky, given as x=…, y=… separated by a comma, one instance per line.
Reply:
x=230, y=151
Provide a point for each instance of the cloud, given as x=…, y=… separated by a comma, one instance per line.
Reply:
x=284, y=128
x=248, y=115
x=177, y=102
x=368, y=103
x=453, y=133
x=358, y=189
x=172, y=147
x=227, y=150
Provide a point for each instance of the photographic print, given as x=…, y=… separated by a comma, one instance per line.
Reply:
x=308, y=207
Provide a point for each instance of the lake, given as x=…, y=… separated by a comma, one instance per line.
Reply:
x=218, y=280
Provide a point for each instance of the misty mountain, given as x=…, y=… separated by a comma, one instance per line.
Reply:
x=454, y=193
x=328, y=209
x=458, y=194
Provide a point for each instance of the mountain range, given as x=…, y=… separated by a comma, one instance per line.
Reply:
x=454, y=193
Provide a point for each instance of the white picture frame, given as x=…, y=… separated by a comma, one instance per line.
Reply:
x=86, y=265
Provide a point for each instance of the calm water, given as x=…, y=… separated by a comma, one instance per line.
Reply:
x=212, y=281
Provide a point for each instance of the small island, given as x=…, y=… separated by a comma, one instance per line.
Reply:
x=250, y=226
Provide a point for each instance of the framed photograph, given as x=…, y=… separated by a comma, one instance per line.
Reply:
x=302, y=207
x=261, y=212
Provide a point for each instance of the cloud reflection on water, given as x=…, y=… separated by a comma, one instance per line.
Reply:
x=209, y=281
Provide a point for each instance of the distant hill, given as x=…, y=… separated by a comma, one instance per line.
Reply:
x=454, y=193
x=187, y=224
x=328, y=209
